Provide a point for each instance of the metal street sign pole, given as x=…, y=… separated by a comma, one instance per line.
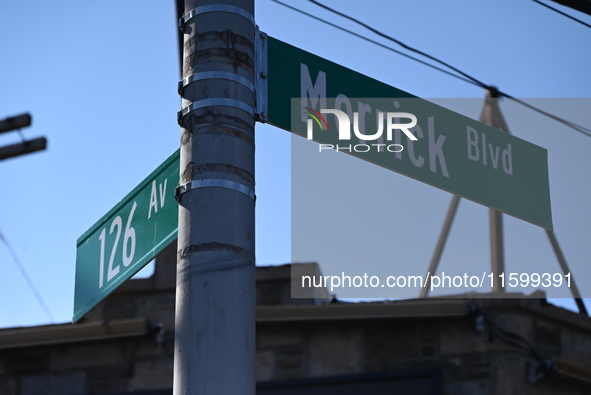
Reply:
x=215, y=294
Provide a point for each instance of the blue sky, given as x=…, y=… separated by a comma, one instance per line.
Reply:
x=100, y=80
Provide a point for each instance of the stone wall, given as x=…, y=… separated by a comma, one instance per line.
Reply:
x=466, y=346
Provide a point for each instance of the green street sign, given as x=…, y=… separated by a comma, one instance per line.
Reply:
x=129, y=236
x=443, y=149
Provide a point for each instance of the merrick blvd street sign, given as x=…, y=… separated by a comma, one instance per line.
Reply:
x=130, y=235
x=451, y=151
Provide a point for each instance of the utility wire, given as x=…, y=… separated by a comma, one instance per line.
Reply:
x=463, y=76
x=578, y=128
x=403, y=45
x=562, y=13
x=581, y=129
x=27, y=278
x=375, y=42
x=496, y=331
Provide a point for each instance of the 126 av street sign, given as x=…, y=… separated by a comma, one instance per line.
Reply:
x=130, y=235
x=443, y=148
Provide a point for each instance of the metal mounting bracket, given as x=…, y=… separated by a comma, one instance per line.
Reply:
x=261, y=76
x=214, y=102
x=214, y=183
x=206, y=75
x=214, y=8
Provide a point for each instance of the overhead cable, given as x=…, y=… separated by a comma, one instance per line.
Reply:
x=27, y=278
x=562, y=13
x=462, y=75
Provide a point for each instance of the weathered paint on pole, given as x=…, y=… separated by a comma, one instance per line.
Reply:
x=215, y=299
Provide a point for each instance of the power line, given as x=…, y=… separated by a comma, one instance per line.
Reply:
x=27, y=278
x=578, y=128
x=562, y=13
x=464, y=76
x=583, y=6
x=375, y=42
x=408, y=47
x=581, y=129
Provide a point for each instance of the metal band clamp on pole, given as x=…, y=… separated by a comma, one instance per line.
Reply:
x=214, y=8
x=215, y=183
x=205, y=75
x=214, y=102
